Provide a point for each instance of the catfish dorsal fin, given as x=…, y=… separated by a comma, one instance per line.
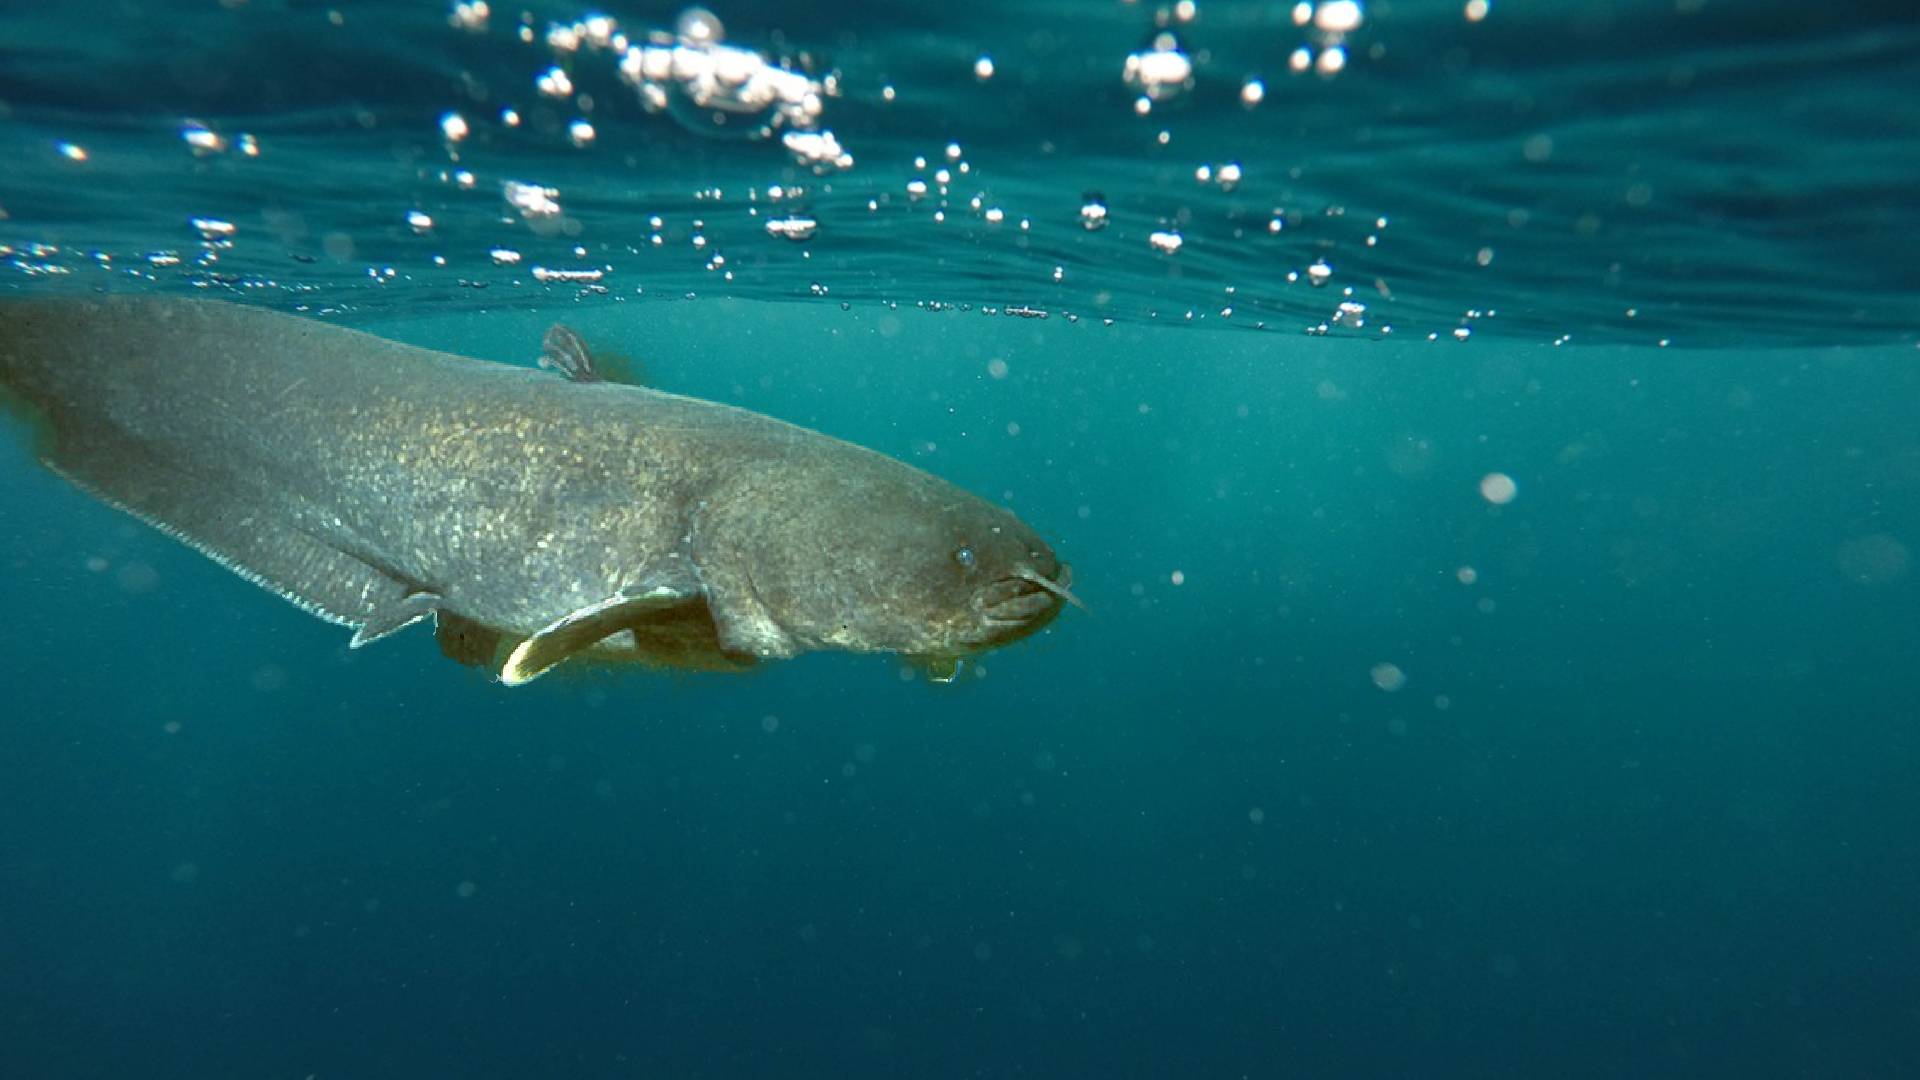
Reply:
x=565, y=352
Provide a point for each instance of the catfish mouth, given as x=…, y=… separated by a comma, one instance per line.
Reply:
x=1024, y=602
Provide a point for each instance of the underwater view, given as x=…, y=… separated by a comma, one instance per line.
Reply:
x=1076, y=538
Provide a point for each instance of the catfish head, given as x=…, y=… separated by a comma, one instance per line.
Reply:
x=866, y=554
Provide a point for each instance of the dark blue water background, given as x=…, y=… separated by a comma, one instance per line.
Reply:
x=1349, y=772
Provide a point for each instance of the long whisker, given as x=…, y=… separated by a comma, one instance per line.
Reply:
x=1056, y=589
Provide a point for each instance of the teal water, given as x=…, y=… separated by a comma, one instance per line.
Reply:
x=1350, y=771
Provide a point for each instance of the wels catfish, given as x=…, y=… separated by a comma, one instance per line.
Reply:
x=534, y=515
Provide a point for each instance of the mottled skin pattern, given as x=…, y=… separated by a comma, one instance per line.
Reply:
x=344, y=471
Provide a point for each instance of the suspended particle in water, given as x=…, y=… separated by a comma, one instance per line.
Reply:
x=1165, y=242
x=1873, y=559
x=1498, y=488
x=1388, y=677
x=1253, y=91
x=983, y=68
x=1477, y=10
x=1319, y=273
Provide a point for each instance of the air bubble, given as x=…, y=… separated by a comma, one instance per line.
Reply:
x=1161, y=71
x=1093, y=212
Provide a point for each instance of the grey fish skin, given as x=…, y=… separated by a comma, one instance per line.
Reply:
x=352, y=474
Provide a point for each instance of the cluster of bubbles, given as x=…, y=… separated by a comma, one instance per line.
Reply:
x=1328, y=25
x=1159, y=71
x=694, y=75
x=715, y=88
x=1162, y=69
x=689, y=73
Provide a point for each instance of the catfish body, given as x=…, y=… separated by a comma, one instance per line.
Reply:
x=376, y=484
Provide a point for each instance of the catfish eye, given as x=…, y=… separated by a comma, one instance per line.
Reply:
x=964, y=556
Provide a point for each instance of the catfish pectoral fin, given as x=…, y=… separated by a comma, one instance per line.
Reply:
x=395, y=616
x=580, y=630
